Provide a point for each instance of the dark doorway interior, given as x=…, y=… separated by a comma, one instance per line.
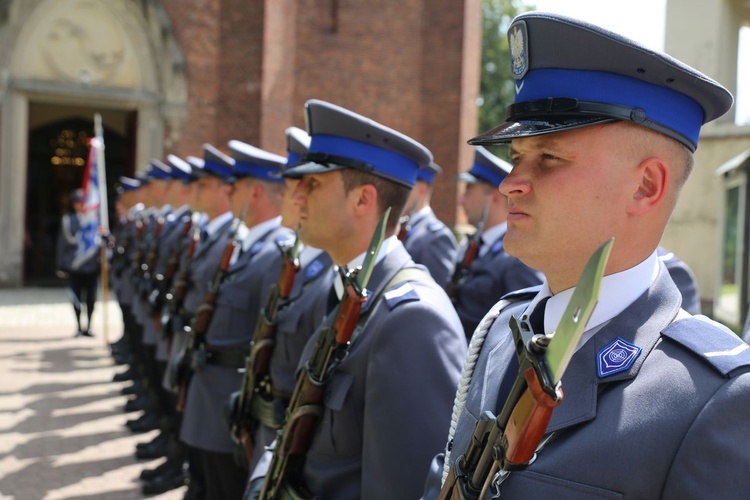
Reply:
x=57, y=156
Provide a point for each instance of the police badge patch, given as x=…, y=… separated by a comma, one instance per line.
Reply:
x=518, y=42
x=616, y=357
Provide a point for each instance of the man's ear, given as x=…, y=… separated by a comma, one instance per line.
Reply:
x=366, y=198
x=652, y=186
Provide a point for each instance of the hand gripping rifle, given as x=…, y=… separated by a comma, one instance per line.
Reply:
x=305, y=407
x=472, y=250
x=196, y=341
x=510, y=441
x=256, y=390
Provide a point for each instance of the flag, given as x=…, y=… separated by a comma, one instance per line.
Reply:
x=88, y=238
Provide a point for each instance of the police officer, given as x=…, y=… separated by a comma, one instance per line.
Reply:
x=388, y=401
x=478, y=284
x=602, y=137
x=298, y=316
x=256, y=190
x=684, y=278
x=428, y=241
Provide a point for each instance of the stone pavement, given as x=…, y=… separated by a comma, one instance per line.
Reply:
x=62, y=425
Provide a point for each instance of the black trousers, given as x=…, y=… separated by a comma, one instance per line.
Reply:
x=223, y=478
x=83, y=286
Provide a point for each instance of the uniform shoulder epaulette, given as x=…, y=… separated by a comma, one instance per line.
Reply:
x=435, y=226
x=522, y=294
x=401, y=293
x=713, y=342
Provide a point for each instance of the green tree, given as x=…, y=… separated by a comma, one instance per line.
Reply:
x=496, y=91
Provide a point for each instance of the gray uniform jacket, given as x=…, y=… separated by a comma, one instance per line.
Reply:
x=172, y=237
x=432, y=244
x=683, y=277
x=389, y=401
x=490, y=277
x=297, y=320
x=236, y=311
x=674, y=425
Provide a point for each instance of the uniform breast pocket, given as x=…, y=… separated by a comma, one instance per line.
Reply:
x=528, y=484
x=233, y=310
x=339, y=432
x=291, y=339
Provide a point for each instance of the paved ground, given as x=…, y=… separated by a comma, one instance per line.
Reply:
x=62, y=432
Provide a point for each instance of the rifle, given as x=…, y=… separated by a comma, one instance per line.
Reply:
x=149, y=263
x=472, y=250
x=256, y=390
x=304, y=408
x=163, y=281
x=510, y=441
x=140, y=228
x=405, y=227
x=193, y=346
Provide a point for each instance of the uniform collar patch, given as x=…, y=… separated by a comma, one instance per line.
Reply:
x=618, y=356
x=314, y=268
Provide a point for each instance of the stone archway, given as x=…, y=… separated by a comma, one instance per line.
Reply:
x=116, y=55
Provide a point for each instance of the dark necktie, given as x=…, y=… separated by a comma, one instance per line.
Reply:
x=204, y=235
x=536, y=320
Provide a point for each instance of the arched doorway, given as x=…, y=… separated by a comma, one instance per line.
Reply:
x=56, y=159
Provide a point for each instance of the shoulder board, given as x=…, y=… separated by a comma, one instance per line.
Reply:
x=716, y=344
x=401, y=293
x=522, y=294
x=435, y=226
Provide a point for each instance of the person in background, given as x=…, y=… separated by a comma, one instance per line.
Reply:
x=82, y=274
x=428, y=241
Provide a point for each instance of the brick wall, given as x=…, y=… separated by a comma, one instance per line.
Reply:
x=410, y=64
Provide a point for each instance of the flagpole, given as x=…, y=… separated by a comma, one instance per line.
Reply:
x=103, y=221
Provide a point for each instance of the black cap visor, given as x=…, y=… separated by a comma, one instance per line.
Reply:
x=508, y=131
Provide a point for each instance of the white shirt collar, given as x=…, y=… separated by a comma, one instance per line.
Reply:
x=257, y=231
x=617, y=291
x=389, y=244
x=218, y=222
x=419, y=215
x=491, y=235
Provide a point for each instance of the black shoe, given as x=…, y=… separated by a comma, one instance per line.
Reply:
x=167, y=481
x=87, y=333
x=158, y=447
x=162, y=437
x=123, y=376
x=141, y=402
x=134, y=388
x=162, y=468
x=79, y=333
x=121, y=359
x=146, y=422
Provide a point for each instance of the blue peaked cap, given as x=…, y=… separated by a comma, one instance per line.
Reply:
x=297, y=145
x=181, y=170
x=250, y=161
x=216, y=163
x=343, y=139
x=427, y=174
x=486, y=168
x=158, y=170
x=128, y=183
x=571, y=74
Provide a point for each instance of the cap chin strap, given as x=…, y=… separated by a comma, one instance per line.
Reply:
x=568, y=107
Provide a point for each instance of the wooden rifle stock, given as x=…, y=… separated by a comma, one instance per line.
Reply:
x=180, y=285
x=462, y=268
x=164, y=282
x=305, y=407
x=257, y=379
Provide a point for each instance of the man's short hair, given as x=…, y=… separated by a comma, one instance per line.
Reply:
x=390, y=194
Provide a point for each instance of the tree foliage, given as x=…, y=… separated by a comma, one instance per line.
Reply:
x=496, y=90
